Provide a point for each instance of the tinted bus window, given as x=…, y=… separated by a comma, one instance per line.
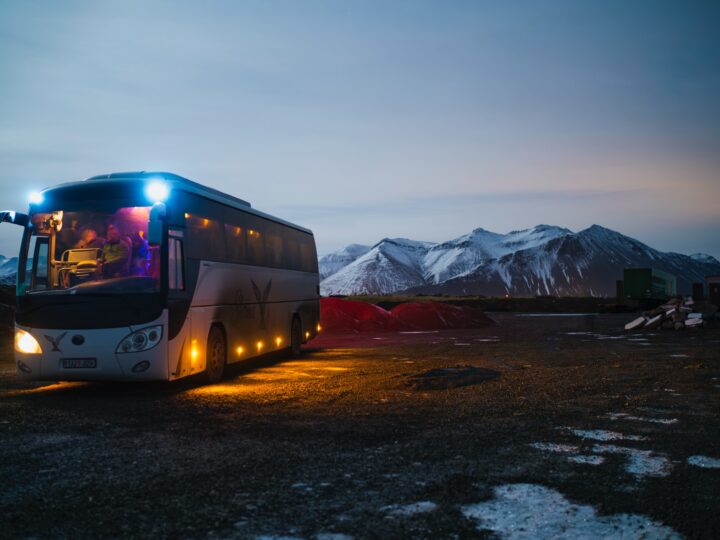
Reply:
x=235, y=235
x=308, y=255
x=291, y=249
x=206, y=237
x=256, y=241
x=235, y=242
x=274, y=245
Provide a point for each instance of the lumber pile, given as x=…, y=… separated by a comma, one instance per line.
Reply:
x=676, y=314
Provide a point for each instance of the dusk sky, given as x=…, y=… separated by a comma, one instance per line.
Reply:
x=363, y=119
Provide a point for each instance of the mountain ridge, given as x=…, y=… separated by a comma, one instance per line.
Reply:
x=544, y=259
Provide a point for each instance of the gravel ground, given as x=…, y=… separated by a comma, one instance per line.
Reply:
x=565, y=417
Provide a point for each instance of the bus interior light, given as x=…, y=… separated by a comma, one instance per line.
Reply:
x=157, y=191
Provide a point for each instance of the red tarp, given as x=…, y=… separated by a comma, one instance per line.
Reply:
x=344, y=316
x=439, y=316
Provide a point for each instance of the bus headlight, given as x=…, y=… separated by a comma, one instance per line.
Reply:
x=142, y=340
x=25, y=343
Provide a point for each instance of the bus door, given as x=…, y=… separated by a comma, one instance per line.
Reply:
x=180, y=347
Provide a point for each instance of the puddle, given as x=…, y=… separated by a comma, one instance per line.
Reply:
x=453, y=377
x=530, y=511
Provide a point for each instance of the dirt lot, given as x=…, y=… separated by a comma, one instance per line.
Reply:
x=569, y=426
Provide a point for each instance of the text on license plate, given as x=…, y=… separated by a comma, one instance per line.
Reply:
x=71, y=363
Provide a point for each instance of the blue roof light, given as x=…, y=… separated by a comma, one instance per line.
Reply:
x=35, y=197
x=157, y=191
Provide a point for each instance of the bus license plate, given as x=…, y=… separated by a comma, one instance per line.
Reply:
x=73, y=363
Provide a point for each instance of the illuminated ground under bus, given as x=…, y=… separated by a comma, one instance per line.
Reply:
x=150, y=276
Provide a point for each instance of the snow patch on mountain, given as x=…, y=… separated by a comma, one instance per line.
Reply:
x=332, y=262
x=704, y=258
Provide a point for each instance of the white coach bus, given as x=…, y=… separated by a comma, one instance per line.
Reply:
x=150, y=276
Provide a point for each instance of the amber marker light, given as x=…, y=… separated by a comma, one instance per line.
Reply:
x=187, y=215
x=319, y=328
x=25, y=343
x=259, y=345
x=307, y=334
x=278, y=341
x=194, y=350
x=240, y=350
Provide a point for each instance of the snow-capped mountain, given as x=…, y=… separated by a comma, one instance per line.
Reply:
x=332, y=262
x=8, y=270
x=390, y=265
x=456, y=257
x=541, y=260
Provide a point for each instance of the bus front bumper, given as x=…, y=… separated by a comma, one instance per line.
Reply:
x=89, y=355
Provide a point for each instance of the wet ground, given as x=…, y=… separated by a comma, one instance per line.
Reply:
x=538, y=425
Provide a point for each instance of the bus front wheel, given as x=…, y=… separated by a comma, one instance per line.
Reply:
x=216, y=355
x=295, y=338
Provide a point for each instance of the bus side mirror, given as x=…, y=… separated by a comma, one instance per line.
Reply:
x=16, y=218
x=155, y=225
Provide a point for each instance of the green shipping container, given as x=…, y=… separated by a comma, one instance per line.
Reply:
x=649, y=283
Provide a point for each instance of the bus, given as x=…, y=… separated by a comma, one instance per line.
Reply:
x=151, y=276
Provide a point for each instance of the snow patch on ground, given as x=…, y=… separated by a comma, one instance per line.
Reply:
x=640, y=462
x=704, y=462
x=529, y=511
x=603, y=435
x=625, y=416
x=554, y=447
x=422, y=507
x=587, y=459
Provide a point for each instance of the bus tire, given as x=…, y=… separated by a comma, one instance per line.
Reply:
x=216, y=356
x=295, y=338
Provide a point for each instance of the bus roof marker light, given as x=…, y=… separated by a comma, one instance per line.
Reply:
x=157, y=191
x=35, y=197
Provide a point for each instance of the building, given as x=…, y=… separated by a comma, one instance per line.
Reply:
x=648, y=283
x=713, y=287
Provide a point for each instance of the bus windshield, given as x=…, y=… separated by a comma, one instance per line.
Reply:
x=90, y=252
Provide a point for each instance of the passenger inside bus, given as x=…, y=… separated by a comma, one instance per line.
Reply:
x=115, y=255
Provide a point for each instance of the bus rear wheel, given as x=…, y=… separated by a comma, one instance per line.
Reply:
x=295, y=338
x=216, y=355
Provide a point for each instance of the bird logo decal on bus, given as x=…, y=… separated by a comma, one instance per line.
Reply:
x=55, y=342
x=262, y=300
